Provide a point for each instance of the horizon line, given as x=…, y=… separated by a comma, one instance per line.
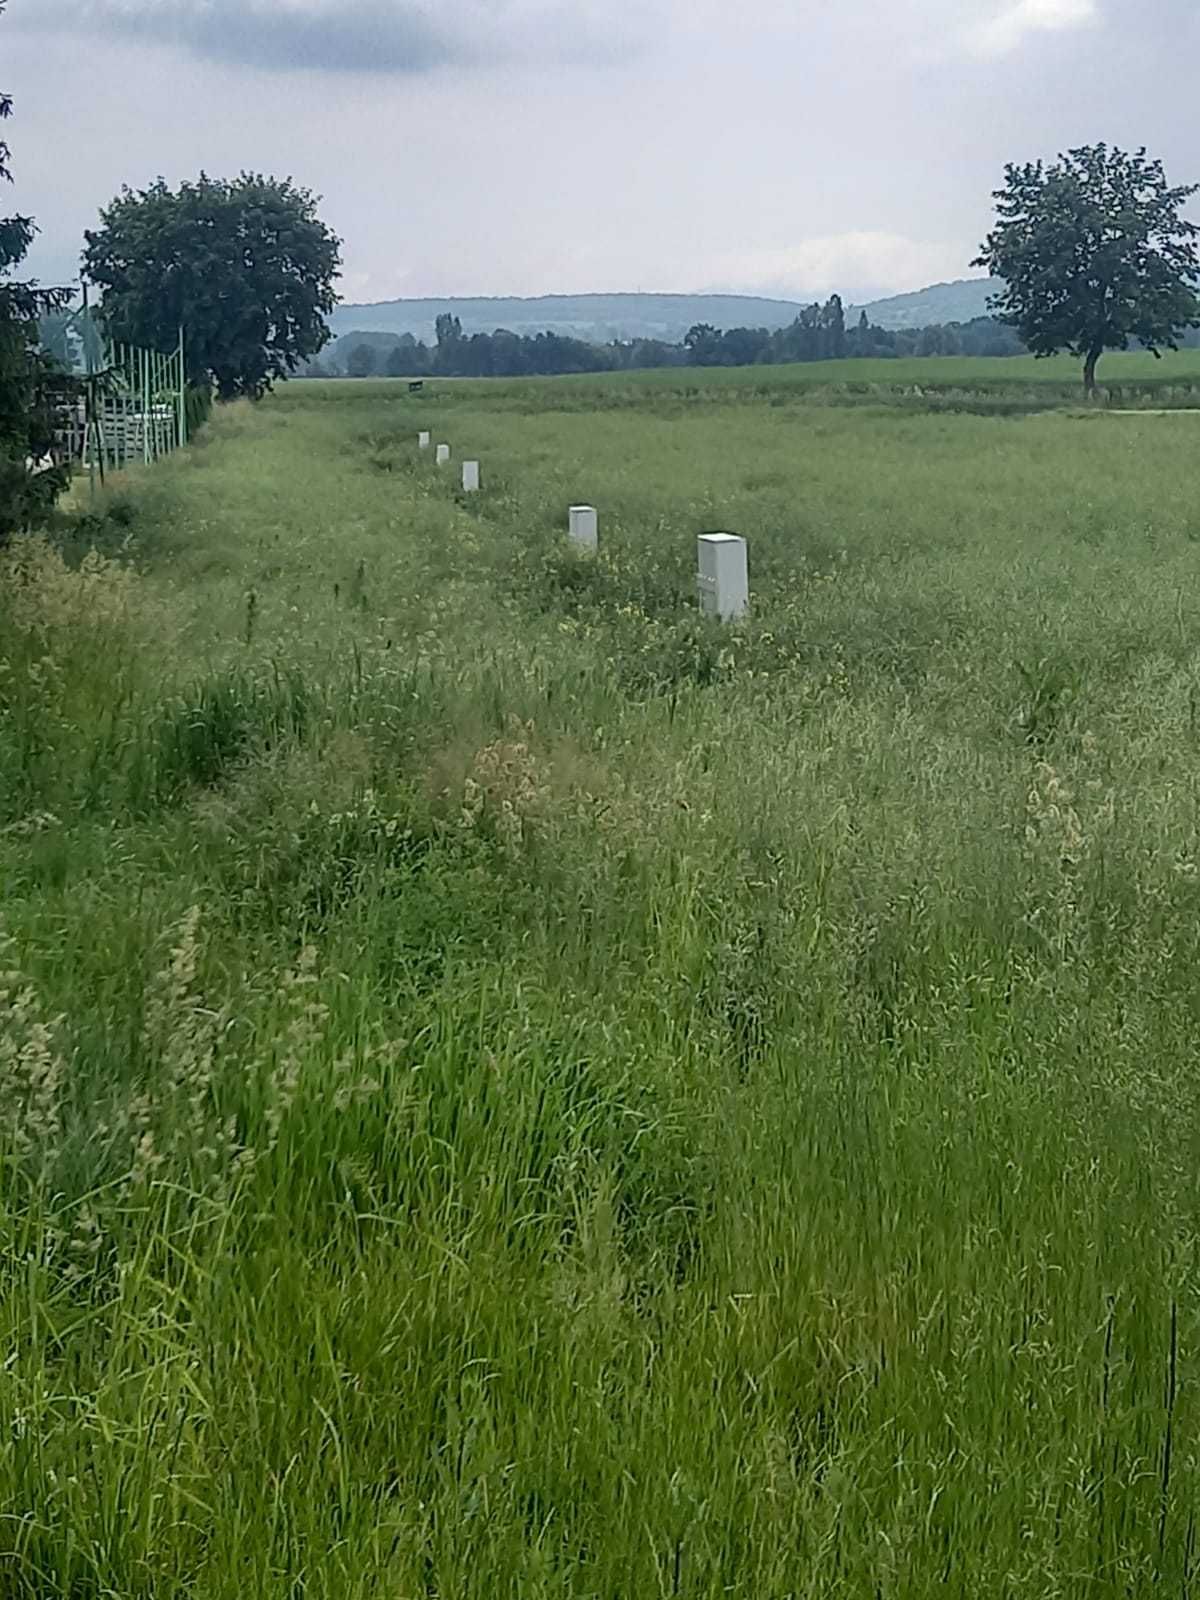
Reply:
x=657, y=294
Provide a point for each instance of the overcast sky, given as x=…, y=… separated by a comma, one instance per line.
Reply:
x=527, y=146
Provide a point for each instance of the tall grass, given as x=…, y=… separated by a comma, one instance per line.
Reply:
x=512, y=1090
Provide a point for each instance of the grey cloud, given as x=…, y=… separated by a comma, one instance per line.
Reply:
x=371, y=36
x=365, y=40
x=721, y=153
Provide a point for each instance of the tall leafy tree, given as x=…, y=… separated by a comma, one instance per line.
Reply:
x=1094, y=251
x=805, y=334
x=834, y=318
x=28, y=385
x=742, y=347
x=361, y=362
x=703, y=344
x=245, y=266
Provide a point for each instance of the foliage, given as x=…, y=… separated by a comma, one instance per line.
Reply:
x=361, y=362
x=245, y=267
x=198, y=407
x=30, y=480
x=448, y=331
x=818, y=334
x=1094, y=252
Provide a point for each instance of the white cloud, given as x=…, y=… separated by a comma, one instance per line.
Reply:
x=455, y=154
x=1007, y=29
x=857, y=265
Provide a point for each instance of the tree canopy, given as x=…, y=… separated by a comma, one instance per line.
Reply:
x=1094, y=253
x=362, y=362
x=27, y=384
x=818, y=334
x=245, y=267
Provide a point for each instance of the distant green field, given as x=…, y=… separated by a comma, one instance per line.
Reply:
x=1182, y=366
x=513, y=1089
x=1020, y=383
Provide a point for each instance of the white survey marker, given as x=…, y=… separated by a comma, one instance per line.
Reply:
x=470, y=477
x=443, y=454
x=584, y=526
x=722, y=577
x=422, y=441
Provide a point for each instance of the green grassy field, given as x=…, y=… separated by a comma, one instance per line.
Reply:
x=1019, y=385
x=513, y=1090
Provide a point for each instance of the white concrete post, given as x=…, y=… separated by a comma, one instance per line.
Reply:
x=723, y=580
x=422, y=441
x=470, y=477
x=443, y=454
x=584, y=526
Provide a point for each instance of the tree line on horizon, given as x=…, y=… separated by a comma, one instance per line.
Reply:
x=818, y=333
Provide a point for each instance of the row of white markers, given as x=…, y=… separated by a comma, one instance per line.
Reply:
x=722, y=575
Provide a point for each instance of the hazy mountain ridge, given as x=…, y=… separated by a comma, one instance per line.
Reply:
x=962, y=300
x=602, y=317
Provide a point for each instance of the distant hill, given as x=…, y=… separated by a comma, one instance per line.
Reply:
x=601, y=317
x=960, y=301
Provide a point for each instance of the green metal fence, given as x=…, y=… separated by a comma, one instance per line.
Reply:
x=133, y=401
x=135, y=408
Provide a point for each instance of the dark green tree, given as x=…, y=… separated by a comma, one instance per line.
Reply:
x=742, y=347
x=29, y=386
x=509, y=358
x=245, y=266
x=834, y=318
x=448, y=329
x=361, y=362
x=451, y=346
x=806, y=334
x=398, y=363
x=1094, y=252
x=703, y=345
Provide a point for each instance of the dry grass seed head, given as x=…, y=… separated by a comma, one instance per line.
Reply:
x=32, y=1070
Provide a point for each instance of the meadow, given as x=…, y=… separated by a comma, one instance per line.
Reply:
x=513, y=1089
x=1019, y=385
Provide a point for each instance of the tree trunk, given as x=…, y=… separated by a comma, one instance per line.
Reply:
x=1089, y=373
